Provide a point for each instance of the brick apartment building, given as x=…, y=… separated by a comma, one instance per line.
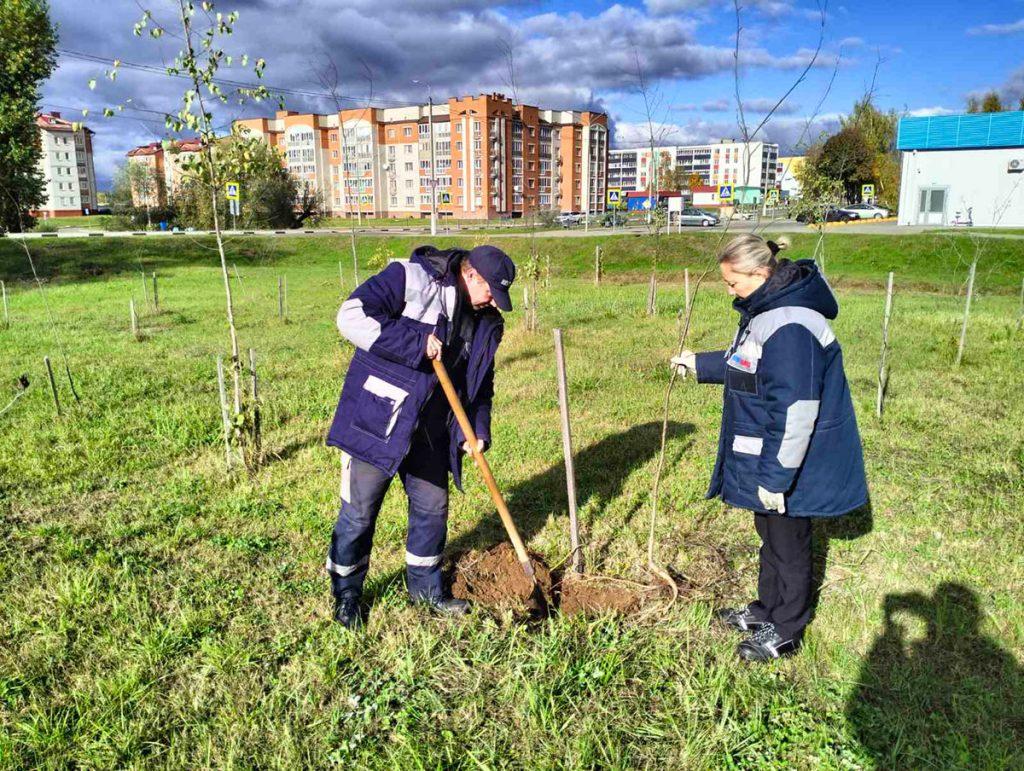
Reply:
x=493, y=158
x=165, y=161
x=66, y=166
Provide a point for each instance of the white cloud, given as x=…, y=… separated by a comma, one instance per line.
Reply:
x=927, y=112
x=1010, y=28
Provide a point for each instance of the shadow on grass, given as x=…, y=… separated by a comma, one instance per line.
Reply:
x=934, y=691
x=601, y=470
x=826, y=529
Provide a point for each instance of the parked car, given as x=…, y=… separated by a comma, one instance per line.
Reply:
x=832, y=214
x=865, y=211
x=569, y=219
x=694, y=216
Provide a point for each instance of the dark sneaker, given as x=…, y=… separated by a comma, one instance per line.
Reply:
x=448, y=606
x=348, y=612
x=766, y=644
x=742, y=619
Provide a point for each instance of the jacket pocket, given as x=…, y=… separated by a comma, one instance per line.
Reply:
x=740, y=382
x=378, y=408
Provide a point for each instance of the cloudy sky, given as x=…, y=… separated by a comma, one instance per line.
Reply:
x=929, y=57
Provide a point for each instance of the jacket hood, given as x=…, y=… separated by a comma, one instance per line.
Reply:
x=437, y=262
x=797, y=283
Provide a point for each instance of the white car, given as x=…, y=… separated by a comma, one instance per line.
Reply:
x=865, y=211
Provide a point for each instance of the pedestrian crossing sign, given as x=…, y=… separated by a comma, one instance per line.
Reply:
x=231, y=191
x=772, y=197
x=725, y=193
x=614, y=196
x=867, y=191
x=446, y=197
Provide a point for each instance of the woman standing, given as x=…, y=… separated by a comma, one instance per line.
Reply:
x=789, y=449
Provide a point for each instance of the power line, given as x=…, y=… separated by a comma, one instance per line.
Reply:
x=157, y=70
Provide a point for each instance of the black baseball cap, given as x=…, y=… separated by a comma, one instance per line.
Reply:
x=498, y=271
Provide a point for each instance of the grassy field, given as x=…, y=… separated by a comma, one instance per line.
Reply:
x=157, y=614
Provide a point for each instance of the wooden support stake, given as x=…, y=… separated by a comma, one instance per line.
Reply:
x=134, y=318
x=652, y=296
x=7, y=316
x=967, y=313
x=597, y=265
x=547, y=271
x=156, y=295
x=883, y=369
x=570, y=471
x=53, y=384
x=257, y=428
x=145, y=289
x=286, y=298
x=280, y=298
x=224, y=414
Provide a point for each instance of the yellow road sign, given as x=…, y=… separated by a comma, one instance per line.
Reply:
x=231, y=191
x=867, y=191
x=614, y=196
x=725, y=193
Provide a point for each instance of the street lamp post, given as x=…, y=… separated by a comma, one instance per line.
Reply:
x=433, y=161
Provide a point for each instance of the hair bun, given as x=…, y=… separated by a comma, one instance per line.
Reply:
x=779, y=245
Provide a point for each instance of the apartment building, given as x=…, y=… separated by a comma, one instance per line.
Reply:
x=748, y=165
x=492, y=158
x=167, y=162
x=66, y=166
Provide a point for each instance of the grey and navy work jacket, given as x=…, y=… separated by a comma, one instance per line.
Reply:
x=389, y=382
x=787, y=423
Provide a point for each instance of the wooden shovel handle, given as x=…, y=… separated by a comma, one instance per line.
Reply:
x=485, y=469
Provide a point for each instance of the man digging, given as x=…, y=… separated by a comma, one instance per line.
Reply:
x=393, y=418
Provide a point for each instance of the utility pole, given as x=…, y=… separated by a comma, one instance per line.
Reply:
x=433, y=165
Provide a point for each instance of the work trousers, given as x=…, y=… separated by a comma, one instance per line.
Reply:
x=784, y=587
x=424, y=474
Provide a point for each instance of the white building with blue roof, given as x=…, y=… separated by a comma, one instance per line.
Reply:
x=962, y=168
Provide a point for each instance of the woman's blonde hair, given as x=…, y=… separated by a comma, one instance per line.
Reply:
x=748, y=253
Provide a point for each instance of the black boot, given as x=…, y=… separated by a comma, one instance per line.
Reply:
x=741, y=619
x=767, y=644
x=446, y=606
x=348, y=612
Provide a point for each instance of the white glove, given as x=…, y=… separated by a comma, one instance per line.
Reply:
x=684, y=363
x=772, y=501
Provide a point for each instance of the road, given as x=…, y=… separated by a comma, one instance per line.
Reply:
x=889, y=228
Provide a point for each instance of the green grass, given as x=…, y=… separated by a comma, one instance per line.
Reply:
x=156, y=614
x=92, y=222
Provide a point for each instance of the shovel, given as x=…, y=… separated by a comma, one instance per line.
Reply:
x=485, y=469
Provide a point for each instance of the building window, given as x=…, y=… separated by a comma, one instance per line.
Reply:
x=532, y=131
x=334, y=136
x=408, y=166
x=459, y=200
x=334, y=154
x=424, y=129
x=407, y=131
x=458, y=145
x=408, y=184
x=408, y=149
x=391, y=133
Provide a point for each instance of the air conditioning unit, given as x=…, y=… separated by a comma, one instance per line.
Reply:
x=1015, y=166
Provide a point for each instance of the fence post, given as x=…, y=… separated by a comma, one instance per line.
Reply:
x=156, y=295
x=7, y=317
x=883, y=371
x=570, y=471
x=280, y=298
x=257, y=428
x=134, y=318
x=597, y=265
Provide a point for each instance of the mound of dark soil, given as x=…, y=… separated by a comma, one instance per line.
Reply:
x=590, y=596
x=495, y=578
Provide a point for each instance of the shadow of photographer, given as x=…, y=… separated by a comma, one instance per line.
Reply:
x=950, y=698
